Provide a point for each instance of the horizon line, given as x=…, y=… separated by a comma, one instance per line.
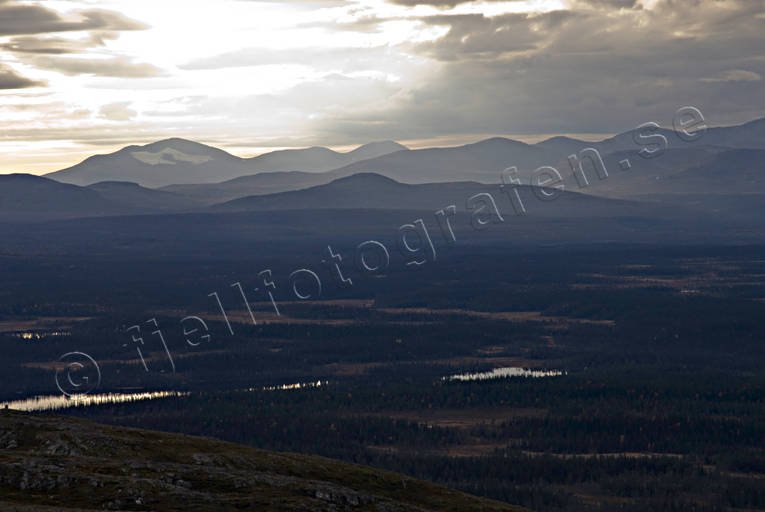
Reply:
x=251, y=151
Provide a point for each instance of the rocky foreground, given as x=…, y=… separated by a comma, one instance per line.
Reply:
x=59, y=463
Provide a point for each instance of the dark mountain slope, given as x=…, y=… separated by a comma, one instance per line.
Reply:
x=24, y=197
x=276, y=181
x=28, y=197
x=136, y=197
x=740, y=171
x=701, y=170
x=65, y=464
x=253, y=185
x=373, y=191
x=747, y=135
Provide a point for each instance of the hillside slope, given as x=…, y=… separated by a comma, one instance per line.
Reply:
x=28, y=197
x=251, y=185
x=66, y=464
x=374, y=191
x=141, y=198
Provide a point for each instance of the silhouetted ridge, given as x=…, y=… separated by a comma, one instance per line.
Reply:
x=364, y=178
x=183, y=145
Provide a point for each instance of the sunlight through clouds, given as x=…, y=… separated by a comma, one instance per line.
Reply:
x=243, y=73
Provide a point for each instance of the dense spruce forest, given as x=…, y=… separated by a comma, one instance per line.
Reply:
x=658, y=404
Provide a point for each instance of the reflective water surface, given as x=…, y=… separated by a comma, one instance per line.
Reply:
x=500, y=373
x=56, y=402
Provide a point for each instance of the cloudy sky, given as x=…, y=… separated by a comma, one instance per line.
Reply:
x=79, y=77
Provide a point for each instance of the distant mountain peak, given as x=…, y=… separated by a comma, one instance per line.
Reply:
x=376, y=149
x=184, y=146
x=381, y=144
x=365, y=178
x=496, y=142
x=170, y=156
x=176, y=142
x=559, y=138
x=22, y=177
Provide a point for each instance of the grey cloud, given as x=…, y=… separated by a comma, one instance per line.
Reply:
x=9, y=79
x=477, y=36
x=735, y=75
x=471, y=35
x=118, y=134
x=52, y=45
x=53, y=110
x=604, y=4
x=18, y=19
x=118, y=111
x=31, y=24
x=365, y=24
x=586, y=69
x=117, y=67
x=321, y=97
x=595, y=67
x=280, y=117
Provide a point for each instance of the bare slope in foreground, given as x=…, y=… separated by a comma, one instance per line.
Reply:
x=66, y=464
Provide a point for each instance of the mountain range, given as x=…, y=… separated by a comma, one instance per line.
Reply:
x=173, y=161
x=209, y=175
x=720, y=176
